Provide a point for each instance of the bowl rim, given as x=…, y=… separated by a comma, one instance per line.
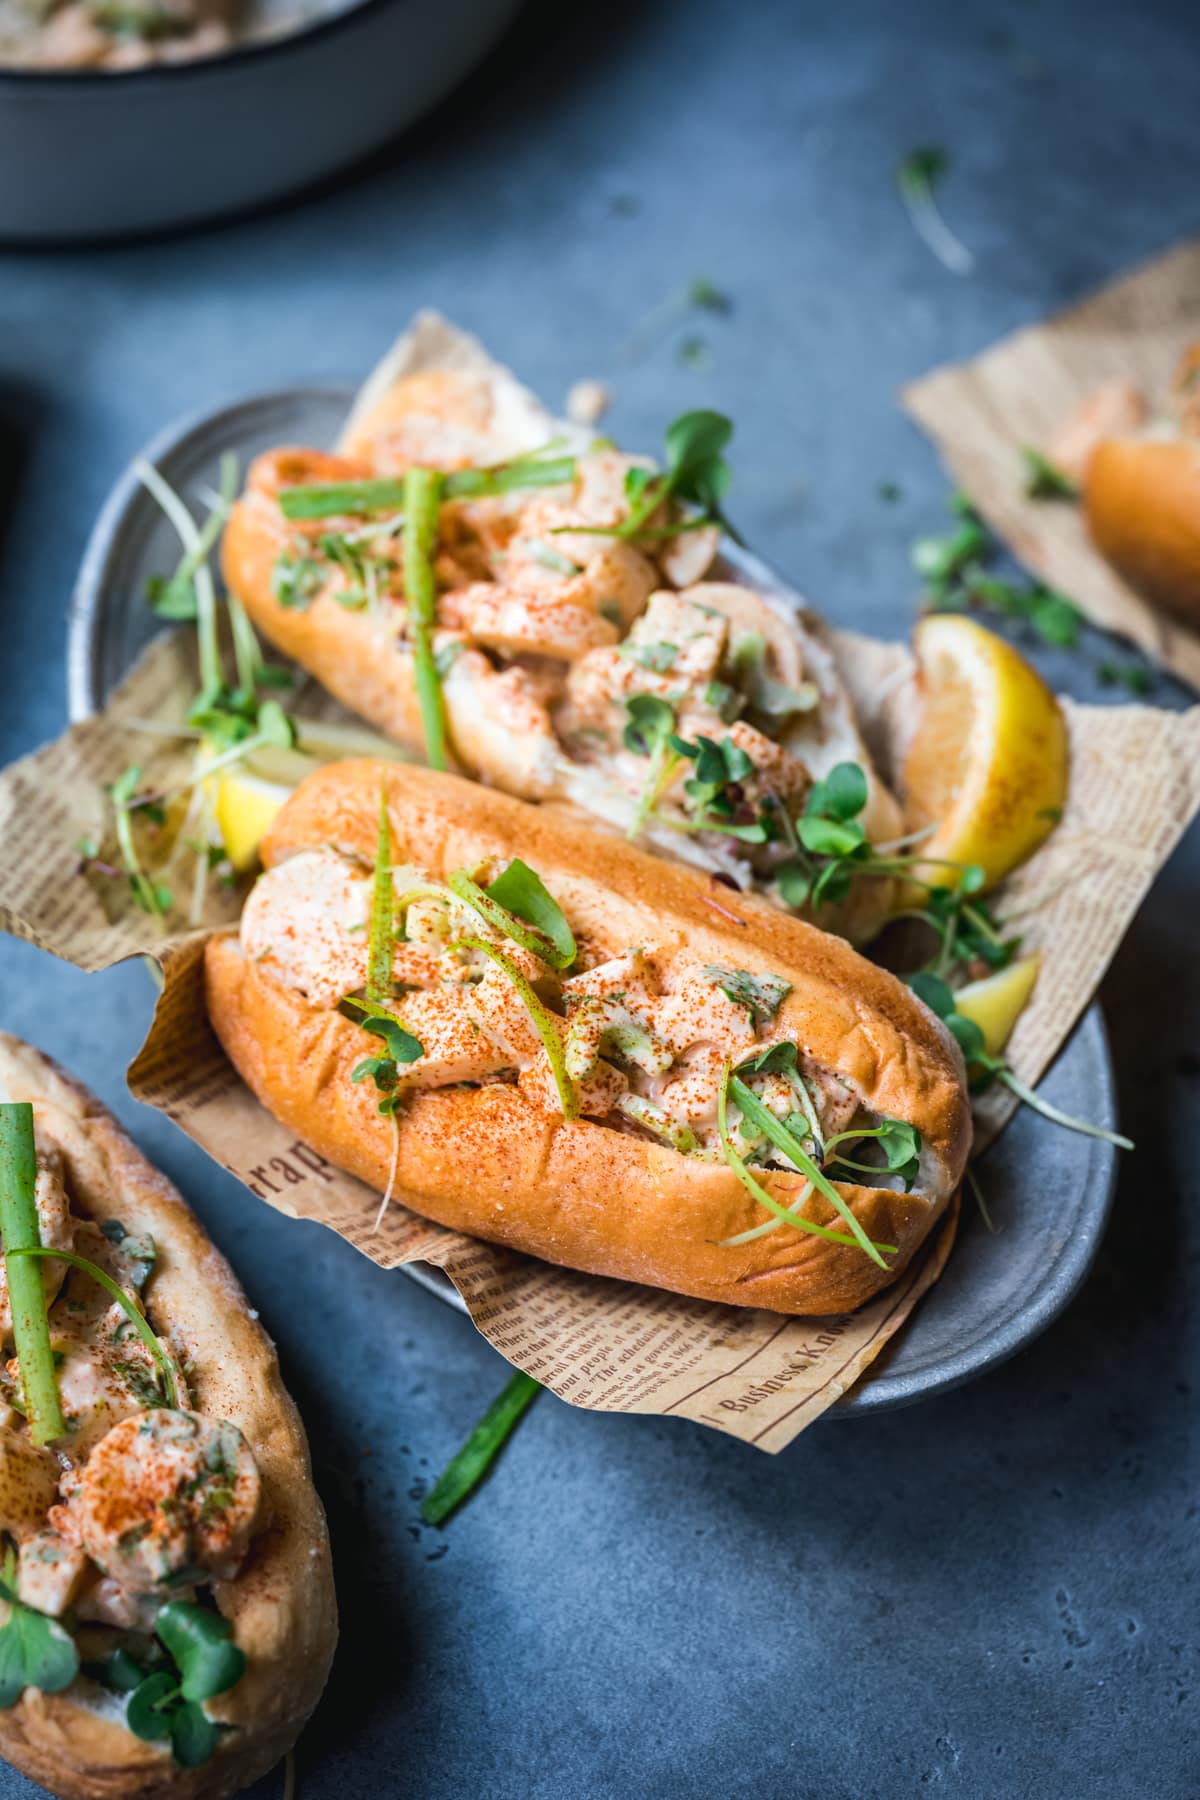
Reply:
x=60, y=81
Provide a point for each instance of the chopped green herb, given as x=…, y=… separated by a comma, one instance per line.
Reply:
x=550, y=558
x=1043, y=481
x=761, y=995
x=656, y=657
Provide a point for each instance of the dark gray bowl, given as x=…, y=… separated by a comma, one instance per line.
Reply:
x=94, y=155
x=1048, y=1191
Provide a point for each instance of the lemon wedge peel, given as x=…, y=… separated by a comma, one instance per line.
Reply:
x=989, y=759
x=996, y=1002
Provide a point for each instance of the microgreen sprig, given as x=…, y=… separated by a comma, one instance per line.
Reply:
x=168, y=1703
x=917, y=177
x=983, y=1067
x=696, y=475
x=649, y=727
x=400, y=1048
x=957, y=572
x=765, y=1121
x=785, y=1215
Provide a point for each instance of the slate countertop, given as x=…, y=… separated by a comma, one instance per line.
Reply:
x=993, y=1594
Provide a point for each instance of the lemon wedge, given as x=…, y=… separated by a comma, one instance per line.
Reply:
x=244, y=806
x=988, y=763
x=997, y=1002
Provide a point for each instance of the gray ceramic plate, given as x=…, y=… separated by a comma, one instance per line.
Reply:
x=999, y=1290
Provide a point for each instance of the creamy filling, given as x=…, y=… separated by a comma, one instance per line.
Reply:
x=553, y=635
x=645, y=1042
x=138, y=1502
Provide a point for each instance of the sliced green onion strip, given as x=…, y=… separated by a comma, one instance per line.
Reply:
x=381, y=935
x=26, y=1295
x=328, y=499
x=533, y=471
x=782, y=1213
x=467, y=1468
x=137, y=1319
x=759, y=1115
x=544, y=1023
x=808, y=1106
x=422, y=497
x=507, y=923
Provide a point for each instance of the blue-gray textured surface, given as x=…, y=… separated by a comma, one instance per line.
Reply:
x=993, y=1594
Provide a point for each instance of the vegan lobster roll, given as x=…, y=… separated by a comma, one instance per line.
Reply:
x=555, y=624
x=548, y=1038
x=167, y=1612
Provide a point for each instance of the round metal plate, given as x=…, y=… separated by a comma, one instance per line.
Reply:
x=999, y=1289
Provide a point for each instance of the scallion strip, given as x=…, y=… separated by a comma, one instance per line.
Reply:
x=381, y=934
x=532, y=471
x=500, y=919
x=166, y=1369
x=422, y=497
x=467, y=1468
x=26, y=1294
x=765, y=1120
x=544, y=1023
x=329, y=499
x=782, y=1213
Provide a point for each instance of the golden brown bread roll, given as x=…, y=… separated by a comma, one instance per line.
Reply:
x=280, y=1600
x=1142, y=504
x=490, y=1151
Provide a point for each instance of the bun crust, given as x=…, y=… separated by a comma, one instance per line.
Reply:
x=281, y=1606
x=1142, y=505
x=490, y=1162
x=341, y=649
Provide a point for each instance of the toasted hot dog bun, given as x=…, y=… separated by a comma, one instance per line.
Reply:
x=372, y=674
x=491, y=1162
x=281, y=1604
x=342, y=649
x=1142, y=505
